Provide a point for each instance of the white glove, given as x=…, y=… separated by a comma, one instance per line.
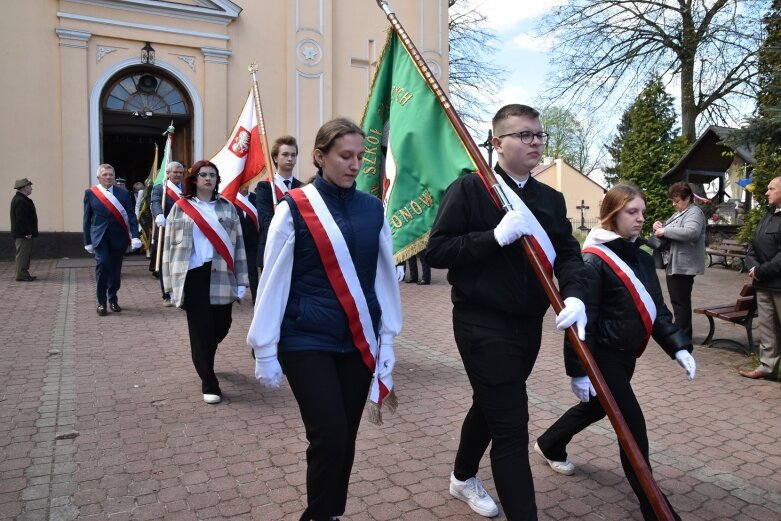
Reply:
x=241, y=291
x=387, y=360
x=90, y=249
x=581, y=386
x=160, y=220
x=268, y=371
x=135, y=244
x=573, y=312
x=512, y=226
x=686, y=361
x=400, y=272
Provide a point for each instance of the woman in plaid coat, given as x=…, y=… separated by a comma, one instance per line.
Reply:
x=205, y=267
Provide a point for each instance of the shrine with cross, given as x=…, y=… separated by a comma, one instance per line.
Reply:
x=582, y=207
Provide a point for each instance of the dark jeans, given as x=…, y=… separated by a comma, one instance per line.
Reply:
x=498, y=360
x=207, y=324
x=108, y=271
x=680, y=289
x=331, y=391
x=617, y=369
x=413, y=268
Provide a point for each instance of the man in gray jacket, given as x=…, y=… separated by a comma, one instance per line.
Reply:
x=764, y=262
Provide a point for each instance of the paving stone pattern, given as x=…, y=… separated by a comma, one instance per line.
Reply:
x=102, y=418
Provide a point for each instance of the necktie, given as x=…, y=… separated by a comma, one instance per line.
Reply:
x=287, y=183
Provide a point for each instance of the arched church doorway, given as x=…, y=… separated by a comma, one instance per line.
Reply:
x=137, y=106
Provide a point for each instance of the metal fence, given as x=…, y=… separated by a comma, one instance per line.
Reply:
x=584, y=225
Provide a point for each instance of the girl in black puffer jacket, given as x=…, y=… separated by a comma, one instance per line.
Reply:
x=625, y=308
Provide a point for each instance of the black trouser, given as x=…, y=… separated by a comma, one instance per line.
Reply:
x=331, y=391
x=413, y=268
x=680, y=289
x=108, y=271
x=498, y=360
x=208, y=325
x=617, y=368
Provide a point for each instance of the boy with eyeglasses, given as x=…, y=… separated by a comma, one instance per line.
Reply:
x=498, y=306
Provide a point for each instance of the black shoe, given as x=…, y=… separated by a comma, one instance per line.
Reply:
x=424, y=283
x=411, y=281
x=113, y=306
x=27, y=278
x=102, y=310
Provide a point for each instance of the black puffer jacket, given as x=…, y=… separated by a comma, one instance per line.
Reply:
x=613, y=320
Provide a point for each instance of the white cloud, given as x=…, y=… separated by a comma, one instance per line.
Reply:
x=532, y=42
x=505, y=14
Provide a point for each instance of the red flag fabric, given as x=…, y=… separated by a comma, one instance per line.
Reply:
x=241, y=159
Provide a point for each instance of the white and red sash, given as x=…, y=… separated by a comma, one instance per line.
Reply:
x=173, y=191
x=113, y=205
x=280, y=188
x=540, y=241
x=211, y=228
x=640, y=296
x=342, y=276
x=243, y=202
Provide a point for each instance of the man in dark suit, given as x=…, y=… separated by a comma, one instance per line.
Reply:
x=24, y=226
x=248, y=216
x=110, y=225
x=172, y=187
x=284, y=153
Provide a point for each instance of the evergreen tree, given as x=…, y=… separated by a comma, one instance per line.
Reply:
x=651, y=145
x=612, y=173
x=765, y=129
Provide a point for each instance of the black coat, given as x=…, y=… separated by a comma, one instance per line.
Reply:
x=265, y=205
x=486, y=277
x=614, y=322
x=764, y=252
x=251, y=234
x=24, y=219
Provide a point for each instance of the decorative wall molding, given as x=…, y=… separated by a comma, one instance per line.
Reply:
x=215, y=11
x=103, y=51
x=319, y=29
x=147, y=27
x=214, y=55
x=189, y=60
x=309, y=52
x=73, y=38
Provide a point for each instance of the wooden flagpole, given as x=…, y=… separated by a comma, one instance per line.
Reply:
x=161, y=229
x=253, y=69
x=651, y=489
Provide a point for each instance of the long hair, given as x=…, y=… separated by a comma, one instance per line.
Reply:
x=329, y=133
x=188, y=184
x=615, y=200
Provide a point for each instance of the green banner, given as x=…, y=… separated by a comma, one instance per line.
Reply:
x=412, y=152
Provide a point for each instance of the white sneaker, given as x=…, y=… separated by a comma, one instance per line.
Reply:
x=473, y=494
x=562, y=467
x=212, y=398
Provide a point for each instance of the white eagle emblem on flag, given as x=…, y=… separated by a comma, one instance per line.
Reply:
x=240, y=143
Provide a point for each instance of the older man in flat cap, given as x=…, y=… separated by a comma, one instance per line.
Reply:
x=24, y=226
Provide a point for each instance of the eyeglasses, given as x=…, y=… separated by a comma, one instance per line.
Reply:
x=207, y=175
x=527, y=137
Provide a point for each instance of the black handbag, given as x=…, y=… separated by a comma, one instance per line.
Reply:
x=658, y=243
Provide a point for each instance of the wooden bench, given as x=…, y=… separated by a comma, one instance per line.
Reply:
x=732, y=253
x=741, y=312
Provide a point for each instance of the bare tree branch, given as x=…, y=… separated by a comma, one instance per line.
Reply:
x=606, y=49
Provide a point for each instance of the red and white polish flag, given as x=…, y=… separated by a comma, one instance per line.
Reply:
x=241, y=159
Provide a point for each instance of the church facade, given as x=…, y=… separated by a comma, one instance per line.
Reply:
x=87, y=82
